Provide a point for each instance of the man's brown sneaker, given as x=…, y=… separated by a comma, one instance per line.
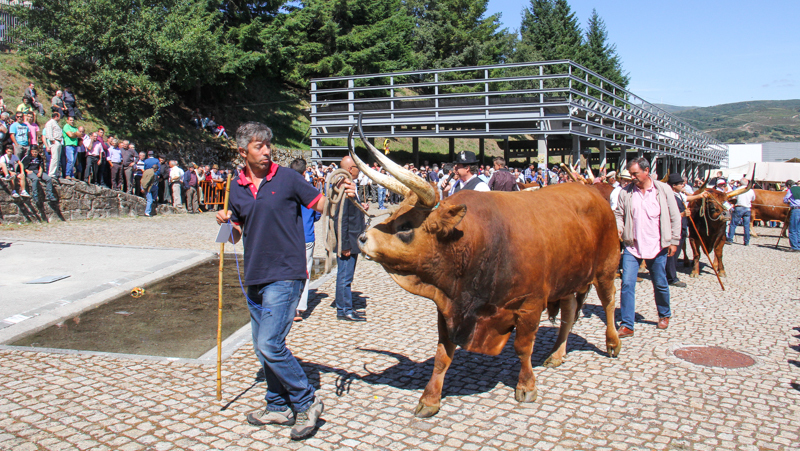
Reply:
x=265, y=417
x=307, y=421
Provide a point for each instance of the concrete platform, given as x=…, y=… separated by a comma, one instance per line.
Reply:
x=96, y=273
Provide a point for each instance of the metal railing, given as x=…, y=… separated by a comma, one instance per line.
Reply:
x=9, y=22
x=545, y=99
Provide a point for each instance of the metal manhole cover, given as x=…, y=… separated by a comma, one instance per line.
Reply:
x=714, y=356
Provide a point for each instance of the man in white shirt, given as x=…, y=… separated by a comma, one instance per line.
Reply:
x=175, y=179
x=53, y=139
x=467, y=169
x=741, y=212
x=624, y=177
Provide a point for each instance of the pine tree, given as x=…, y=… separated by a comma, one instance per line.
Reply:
x=455, y=33
x=550, y=30
x=601, y=56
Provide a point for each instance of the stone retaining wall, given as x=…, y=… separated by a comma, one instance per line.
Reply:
x=75, y=200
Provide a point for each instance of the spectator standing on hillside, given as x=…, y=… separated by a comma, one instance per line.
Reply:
x=175, y=181
x=80, y=155
x=191, y=182
x=115, y=160
x=53, y=140
x=94, y=149
x=20, y=136
x=128, y=162
x=70, y=102
x=34, y=130
x=4, y=124
x=34, y=170
x=71, y=136
x=163, y=180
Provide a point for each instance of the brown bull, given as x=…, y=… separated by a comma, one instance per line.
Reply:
x=768, y=206
x=710, y=216
x=603, y=188
x=471, y=255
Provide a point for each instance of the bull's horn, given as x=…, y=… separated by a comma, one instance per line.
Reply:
x=426, y=194
x=602, y=165
x=705, y=182
x=666, y=177
x=381, y=179
x=744, y=189
x=569, y=172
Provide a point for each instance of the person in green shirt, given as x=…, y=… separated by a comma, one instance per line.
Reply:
x=71, y=136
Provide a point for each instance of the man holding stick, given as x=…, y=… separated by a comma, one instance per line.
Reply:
x=265, y=202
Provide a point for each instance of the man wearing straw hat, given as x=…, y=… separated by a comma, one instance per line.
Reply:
x=265, y=201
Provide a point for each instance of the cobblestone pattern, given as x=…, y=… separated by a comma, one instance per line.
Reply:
x=370, y=376
x=76, y=200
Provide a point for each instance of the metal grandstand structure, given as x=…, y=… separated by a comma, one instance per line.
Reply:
x=536, y=110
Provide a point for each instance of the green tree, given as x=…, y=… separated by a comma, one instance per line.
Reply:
x=455, y=33
x=601, y=56
x=550, y=29
x=323, y=38
x=134, y=56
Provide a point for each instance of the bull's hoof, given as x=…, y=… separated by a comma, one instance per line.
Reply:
x=693, y=275
x=423, y=411
x=553, y=362
x=613, y=351
x=553, y=321
x=722, y=273
x=525, y=395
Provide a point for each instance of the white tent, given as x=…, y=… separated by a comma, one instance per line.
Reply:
x=765, y=172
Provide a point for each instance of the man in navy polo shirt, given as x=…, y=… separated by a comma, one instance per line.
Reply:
x=265, y=201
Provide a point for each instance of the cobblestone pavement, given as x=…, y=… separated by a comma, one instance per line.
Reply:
x=370, y=376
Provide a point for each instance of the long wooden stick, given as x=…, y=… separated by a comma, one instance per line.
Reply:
x=700, y=239
x=783, y=229
x=219, y=307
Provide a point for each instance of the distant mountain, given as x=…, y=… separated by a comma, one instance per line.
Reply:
x=742, y=122
x=673, y=108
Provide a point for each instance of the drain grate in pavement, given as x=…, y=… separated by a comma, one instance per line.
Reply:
x=714, y=356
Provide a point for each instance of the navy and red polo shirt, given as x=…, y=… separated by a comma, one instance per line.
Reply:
x=272, y=224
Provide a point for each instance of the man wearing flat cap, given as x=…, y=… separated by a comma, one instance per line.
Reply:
x=467, y=169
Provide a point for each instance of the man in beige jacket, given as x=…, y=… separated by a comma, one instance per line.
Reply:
x=649, y=225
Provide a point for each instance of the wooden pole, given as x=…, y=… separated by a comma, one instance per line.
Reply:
x=700, y=239
x=219, y=306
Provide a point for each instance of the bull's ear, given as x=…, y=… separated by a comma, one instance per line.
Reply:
x=445, y=219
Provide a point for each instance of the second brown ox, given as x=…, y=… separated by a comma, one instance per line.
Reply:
x=471, y=255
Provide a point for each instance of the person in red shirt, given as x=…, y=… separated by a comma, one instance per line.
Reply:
x=265, y=201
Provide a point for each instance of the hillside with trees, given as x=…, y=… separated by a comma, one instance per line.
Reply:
x=142, y=67
x=743, y=122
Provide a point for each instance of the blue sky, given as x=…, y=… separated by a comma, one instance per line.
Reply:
x=696, y=53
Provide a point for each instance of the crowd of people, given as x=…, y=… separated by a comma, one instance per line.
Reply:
x=35, y=154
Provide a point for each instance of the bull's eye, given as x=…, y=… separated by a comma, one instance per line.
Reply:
x=405, y=232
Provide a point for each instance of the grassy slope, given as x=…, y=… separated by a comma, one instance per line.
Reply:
x=758, y=121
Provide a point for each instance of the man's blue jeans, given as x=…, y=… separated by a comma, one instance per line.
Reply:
x=152, y=195
x=630, y=270
x=794, y=228
x=740, y=214
x=345, y=270
x=381, y=196
x=271, y=315
x=71, y=151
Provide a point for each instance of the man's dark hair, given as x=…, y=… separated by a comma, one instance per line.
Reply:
x=642, y=162
x=789, y=183
x=500, y=161
x=298, y=164
x=447, y=167
x=100, y=129
x=473, y=169
x=55, y=115
x=161, y=155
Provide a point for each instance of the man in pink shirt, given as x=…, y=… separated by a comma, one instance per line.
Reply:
x=649, y=225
